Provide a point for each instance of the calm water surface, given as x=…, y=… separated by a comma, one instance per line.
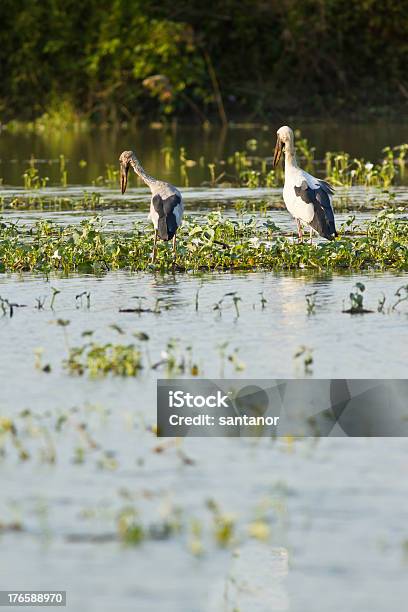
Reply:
x=336, y=508
x=102, y=147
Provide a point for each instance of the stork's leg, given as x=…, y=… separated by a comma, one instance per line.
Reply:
x=154, y=246
x=174, y=248
x=311, y=235
x=299, y=229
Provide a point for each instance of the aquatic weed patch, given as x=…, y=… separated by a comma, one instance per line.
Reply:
x=218, y=243
x=100, y=359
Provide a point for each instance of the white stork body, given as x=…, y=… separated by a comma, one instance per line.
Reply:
x=307, y=198
x=166, y=204
x=294, y=177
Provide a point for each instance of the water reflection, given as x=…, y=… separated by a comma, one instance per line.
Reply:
x=100, y=147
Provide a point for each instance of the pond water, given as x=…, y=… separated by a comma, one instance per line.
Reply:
x=319, y=524
x=337, y=508
x=88, y=153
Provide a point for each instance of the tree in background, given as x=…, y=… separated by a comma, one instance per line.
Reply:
x=118, y=60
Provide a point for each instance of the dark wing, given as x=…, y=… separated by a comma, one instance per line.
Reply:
x=167, y=224
x=326, y=186
x=323, y=221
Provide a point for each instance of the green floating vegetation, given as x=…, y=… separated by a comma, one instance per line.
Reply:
x=99, y=360
x=218, y=244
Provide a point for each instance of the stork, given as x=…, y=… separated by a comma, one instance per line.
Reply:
x=307, y=198
x=166, y=205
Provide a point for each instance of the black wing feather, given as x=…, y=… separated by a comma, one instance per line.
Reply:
x=326, y=186
x=167, y=224
x=323, y=221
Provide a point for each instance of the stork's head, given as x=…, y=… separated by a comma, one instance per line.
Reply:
x=124, y=161
x=284, y=139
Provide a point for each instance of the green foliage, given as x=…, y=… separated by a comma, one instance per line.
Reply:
x=219, y=243
x=121, y=60
x=102, y=359
x=356, y=297
x=357, y=300
x=341, y=170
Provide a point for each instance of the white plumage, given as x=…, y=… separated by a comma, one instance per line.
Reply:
x=307, y=198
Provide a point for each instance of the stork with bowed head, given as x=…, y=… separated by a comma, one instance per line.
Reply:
x=166, y=205
x=307, y=198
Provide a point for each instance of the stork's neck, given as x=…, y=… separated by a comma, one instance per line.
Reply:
x=290, y=156
x=140, y=171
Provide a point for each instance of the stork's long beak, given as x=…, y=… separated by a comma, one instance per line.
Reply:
x=124, y=170
x=280, y=145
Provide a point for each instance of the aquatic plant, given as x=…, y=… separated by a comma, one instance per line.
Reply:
x=263, y=300
x=311, y=302
x=402, y=295
x=110, y=178
x=260, y=530
x=44, y=202
x=99, y=360
x=176, y=361
x=8, y=307
x=195, y=544
x=198, y=294
x=223, y=524
x=63, y=171
x=235, y=300
x=381, y=303
x=357, y=300
x=305, y=354
x=80, y=296
x=339, y=167
x=304, y=151
x=216, y=243
x=341, y=170
x=55, y=292
x=32, y=179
